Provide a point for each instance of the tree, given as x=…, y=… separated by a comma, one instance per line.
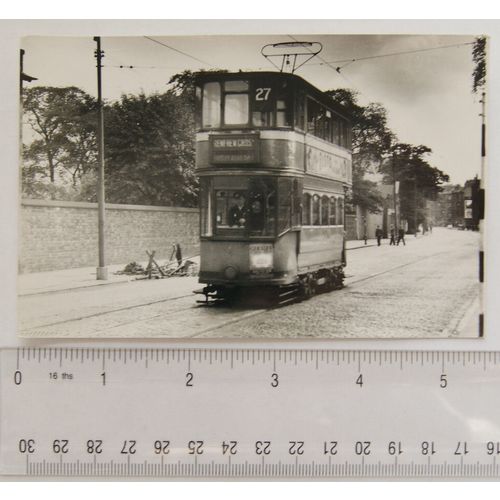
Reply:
x=62, y=149
x=149, y=144
x=418, y=180
x=479, y=59
x=371, y=142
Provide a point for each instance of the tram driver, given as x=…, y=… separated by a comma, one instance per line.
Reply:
x=256, y=216
x=237, y=213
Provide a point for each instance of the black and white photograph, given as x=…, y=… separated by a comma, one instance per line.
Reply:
x=252, y=186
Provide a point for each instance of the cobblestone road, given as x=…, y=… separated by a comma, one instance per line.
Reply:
x=428, y=288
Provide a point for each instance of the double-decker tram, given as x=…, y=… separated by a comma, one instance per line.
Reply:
x=273, y=155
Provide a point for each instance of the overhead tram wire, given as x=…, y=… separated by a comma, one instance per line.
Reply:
x=390, y=54
x=178, y=51
x=133, y=66
x=338, y=69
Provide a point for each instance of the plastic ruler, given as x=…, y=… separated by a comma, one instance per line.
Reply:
x=241, y=413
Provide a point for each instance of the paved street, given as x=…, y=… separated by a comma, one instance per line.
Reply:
x=427, y=289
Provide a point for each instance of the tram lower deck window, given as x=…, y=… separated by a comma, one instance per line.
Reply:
x=322, y=210
x=245, y=206
x=289, y=191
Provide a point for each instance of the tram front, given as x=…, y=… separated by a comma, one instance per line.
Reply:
x=250, y=168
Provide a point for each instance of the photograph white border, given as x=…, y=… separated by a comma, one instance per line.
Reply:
x=12, y=31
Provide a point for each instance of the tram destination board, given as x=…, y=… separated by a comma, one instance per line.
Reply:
x=234, y=148
x=249, y=413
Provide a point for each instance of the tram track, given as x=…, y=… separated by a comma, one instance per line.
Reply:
x=111, y=311
x=196, y=312
x=345, y=289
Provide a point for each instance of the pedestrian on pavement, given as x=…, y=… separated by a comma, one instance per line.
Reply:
x=392, y=234
x=365, y=231
x=378, y=235
x=177, y=251
x=401, y=236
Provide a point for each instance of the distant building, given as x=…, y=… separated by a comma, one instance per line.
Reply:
x=362, y=222
x=472, y=204
x=458, y=206
x=449, y=206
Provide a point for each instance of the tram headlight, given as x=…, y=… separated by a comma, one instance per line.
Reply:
x=230, y=272
x=261, y=257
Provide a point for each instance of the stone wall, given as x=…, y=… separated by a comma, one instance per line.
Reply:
x=63, y=235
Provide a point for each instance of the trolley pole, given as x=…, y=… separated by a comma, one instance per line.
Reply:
x=102, y=270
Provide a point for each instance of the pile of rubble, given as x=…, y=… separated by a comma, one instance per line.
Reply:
x=158, y=270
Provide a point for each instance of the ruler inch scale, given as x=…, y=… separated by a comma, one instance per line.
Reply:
x=249, y=412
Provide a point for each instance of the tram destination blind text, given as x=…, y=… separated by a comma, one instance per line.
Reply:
x=234, y=149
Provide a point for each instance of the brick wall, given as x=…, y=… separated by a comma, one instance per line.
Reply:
x=63, y=235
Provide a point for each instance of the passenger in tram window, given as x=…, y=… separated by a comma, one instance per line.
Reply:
x=237, y=213
x=256, y=216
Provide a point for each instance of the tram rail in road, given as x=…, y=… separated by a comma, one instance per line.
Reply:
x=179, y=316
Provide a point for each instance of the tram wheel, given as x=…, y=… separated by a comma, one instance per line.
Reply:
x=307, y=286
x=337, y=278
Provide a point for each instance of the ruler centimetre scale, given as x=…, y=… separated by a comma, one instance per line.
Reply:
x=241, y=413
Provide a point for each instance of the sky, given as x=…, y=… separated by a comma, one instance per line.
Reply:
x=427, y=94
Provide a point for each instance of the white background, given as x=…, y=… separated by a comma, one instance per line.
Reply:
x=10, y=34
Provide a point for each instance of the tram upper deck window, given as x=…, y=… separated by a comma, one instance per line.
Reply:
x=319, y=120
x=325, y=124
x=236, y=109
x=236, y=103
x=282, y=114
x=211, y=105
x=300, y=109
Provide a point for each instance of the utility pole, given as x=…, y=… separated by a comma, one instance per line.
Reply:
x=481, y=184
x=415, y=215
x=344, y=221
x=23, y=77
x=394, y=192
x=483, y=137
x=102, y=270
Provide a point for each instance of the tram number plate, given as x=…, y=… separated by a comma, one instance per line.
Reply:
x=261, y=258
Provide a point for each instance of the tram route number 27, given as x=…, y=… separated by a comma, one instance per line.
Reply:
x=262, y=93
